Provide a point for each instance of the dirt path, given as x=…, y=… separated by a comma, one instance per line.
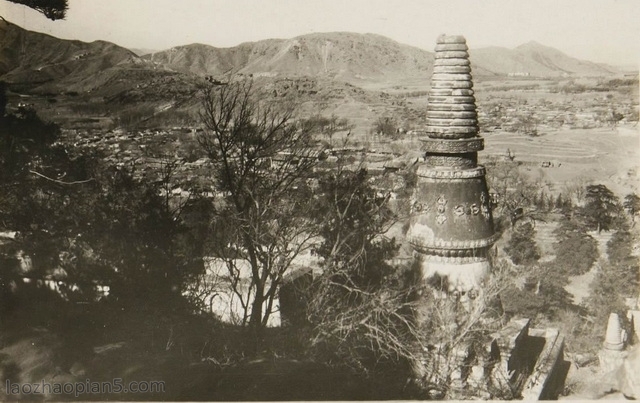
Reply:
x=546, y=239
x=579, y=285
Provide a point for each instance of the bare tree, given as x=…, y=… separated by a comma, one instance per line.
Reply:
x=528, y=124
x=576, y=189
x=385, y=126
x=450, y=327
x=261, y=159
x=371, y=313
x=354, y=308
x=406, y=324
x=513, y=189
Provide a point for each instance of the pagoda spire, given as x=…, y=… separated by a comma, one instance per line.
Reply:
x=452, y=224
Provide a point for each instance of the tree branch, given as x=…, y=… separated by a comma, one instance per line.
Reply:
x=61, y=182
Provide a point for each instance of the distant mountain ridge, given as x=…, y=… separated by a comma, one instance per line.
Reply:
x=339, y=55
x=536, y=60
x=44, y=63
x=36, y=58
x=350, y=56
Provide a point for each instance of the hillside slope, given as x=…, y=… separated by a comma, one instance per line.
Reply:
x=339, y=55
x=355, y=57
x=536, y=60
x=32, y=59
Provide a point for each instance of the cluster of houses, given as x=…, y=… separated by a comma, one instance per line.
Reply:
x=513, y=114
x=120, y=148
x=146, y=149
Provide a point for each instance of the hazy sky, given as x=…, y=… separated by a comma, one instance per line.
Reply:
x=597, y=30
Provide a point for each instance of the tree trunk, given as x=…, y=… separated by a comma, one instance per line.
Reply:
x=255, y=320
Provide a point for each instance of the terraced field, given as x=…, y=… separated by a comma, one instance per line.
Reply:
x=578, y=145
x=597, y=155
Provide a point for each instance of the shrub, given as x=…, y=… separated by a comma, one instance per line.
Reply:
x=605, y=296
x=385, y=126
x=522, y=247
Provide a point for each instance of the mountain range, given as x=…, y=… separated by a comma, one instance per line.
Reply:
x=340, y=55
x=42, y=63
x=350, y=56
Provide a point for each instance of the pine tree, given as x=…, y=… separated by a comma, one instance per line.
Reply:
x=631, y=204
x=576, y=251
x=559, y=202
x=541, y=200
x=522, y=247
x=52, y=9
x=550, y=203
x=601, y=208
x=568, y=204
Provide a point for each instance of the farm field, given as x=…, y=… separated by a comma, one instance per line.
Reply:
x=597, y=155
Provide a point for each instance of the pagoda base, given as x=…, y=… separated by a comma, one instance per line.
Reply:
x=462, y=274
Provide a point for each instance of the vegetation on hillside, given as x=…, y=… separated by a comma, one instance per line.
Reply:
x=576, y=251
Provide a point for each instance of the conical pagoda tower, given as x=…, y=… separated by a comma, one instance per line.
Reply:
x=452, y=225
